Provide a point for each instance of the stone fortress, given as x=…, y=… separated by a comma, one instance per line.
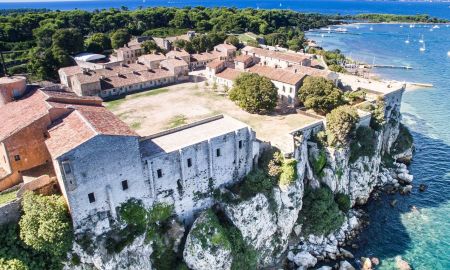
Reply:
x=99, y=162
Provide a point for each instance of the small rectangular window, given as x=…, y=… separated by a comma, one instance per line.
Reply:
x=66, y=167
x=91, y=197
x=240, y=144
x=159, y=173
x=124, y=184
x=17, y=157
x=218, y=152
x=189, y=162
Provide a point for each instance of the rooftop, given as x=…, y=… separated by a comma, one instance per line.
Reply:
x=89, y=57
x=175, y=62
x=215, y=63
x=286, y=56
x=374, y=86
x=178, y=53
x=225, y=46
x=206, y=56
x=190, y=134
x=243, y=58
x=73, y=70
x=229, y=74
x=152, y=57
x=277, y=74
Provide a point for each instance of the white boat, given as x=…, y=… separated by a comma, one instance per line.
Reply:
x=407, y=40
x=401, y=26
x=448, y=53
x=371, y=28
x=341, y=29
x=422, y=49
x=411, y=26
x=421, y=39
x=436, y=27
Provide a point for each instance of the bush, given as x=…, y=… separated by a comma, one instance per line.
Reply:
x=403, y=142
x=320, y=214
x=244, y=256
x=254, y=93
x=343, y=202
x=255, y=182
x=211, y=231
x=363, y=144
x=319, y=163
x=353, y=97
x=337, y=68
x=45, y=225
x=320, y=94
x=340, y=124
x=378, y=119
x=133, y=213
x=12, y=264
x=288, y=172
x=160, y=212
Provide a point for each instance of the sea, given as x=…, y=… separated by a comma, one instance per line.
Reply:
x=418, y=227
x=422, y=236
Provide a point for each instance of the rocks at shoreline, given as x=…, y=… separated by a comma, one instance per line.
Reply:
x=401, y=264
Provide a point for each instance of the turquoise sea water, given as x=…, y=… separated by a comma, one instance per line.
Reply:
x=421, y=237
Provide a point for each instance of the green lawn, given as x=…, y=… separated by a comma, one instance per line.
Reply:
x=177, y=120
x=7, y=197
x=114, y=104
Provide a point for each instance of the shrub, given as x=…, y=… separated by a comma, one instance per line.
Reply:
x=254, y=93
x=45, y=225
x=378, y=119
x=343, y=202
x=244, y=255
x=353, y=97
x=340, y=123
x=288, y=172
x=363, y=144
x=320, y=94
x=319, y=163
x=320, y=214
x=12, y=264
x=404, y=140
x=133, y=213
x=255, y=182
x=337, y=68
x=210, y=231
x=160, y=212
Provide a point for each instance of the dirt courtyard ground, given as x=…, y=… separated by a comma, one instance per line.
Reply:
x=159, y=109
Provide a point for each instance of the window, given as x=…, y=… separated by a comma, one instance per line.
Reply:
x=159, y=173
x=284, y=89
x=240, y=144
x=189, y=162
x=218, y=152
x=66, y=167
x=17, y=157
x=124, y=184
x=290, y=91
x=91, y=197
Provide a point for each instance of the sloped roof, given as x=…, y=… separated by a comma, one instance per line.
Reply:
x=215, y=63
x=285, y=56
x=73, y=70
x=229, y=74
x=276, y=74
x=17, y=115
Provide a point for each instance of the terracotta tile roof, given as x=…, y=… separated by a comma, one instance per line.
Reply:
x=176, y=53
x=69, y=71
x=151, y=57
x=229, y=74
x=174, y=62
x=82, y=124
x=84, y=78
x=134, y=78
x=276, y=74
x=215, y=63
x=206, y=56
x=244, y=58
x=225, y=46
x=71, y=132
x=311, y=71
x=285, y=56
x=17, y=115
x=71, y=98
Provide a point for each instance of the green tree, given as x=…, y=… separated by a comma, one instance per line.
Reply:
x=150, y=46
x=320, y=214
x=98, y=43
x=44, y=35
x=45, y=225
x=320, y=94
x=12, y=264
x=254, y=93
x=42, y=65
x=119, y=38
x=295, y=44
x=233, y=40
x=341, y=122
x=69, y=40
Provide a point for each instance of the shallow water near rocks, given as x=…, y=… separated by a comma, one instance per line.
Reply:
x=422, y=236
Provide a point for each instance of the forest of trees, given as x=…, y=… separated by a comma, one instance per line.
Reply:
x=43, y=41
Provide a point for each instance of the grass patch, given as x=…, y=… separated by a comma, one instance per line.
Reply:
x=8, y=196
x=114, y=104
x=135, y=125
x=177, y=121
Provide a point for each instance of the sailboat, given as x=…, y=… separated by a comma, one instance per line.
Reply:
x=422, y=49
x=407, y=41
x=371, y=28
x=448, y=53
x=421, y=39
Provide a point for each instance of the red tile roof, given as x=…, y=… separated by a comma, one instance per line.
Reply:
x=215, y=63
x=276, y=74
x=206, y=56
x=285, y=56
x=229, y=74
x=244, y=58
x=73, y=70
x=17, y=115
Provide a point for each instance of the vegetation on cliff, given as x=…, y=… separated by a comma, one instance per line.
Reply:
x=404, y=140
x=341, y=122
x=363, y=143
x=320, y=213
x=379, y=18
x=254, y=93
x=320, y=95
x=43, y=236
